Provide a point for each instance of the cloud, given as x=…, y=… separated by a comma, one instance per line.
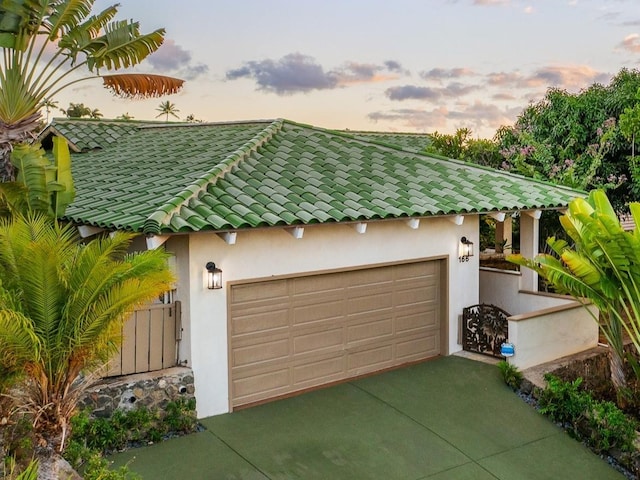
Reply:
x=500, y=79
x=457, y=89
x=528, y=10
x=408, y=92
x=172, y=58
x=299, y=73
x=630, y=23
x=503, y=96
x=566, y=77
x=570, y=77
x=491, y=3
x=440, y=74
x=413, y=92
x=354, y=72
x=631, y=43
x=477, y=115
x=395, y=66
x=293, y=73
x=419, y=119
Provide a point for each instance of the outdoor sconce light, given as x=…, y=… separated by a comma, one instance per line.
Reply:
x=214, y=276
x=465, y=250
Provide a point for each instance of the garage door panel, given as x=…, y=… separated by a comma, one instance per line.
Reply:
x=264, y=322
x=251, y=292
x=331, y=327
x=369, y=303
x=415, y=295
x=261, y=384
x=317, y=341
x=318, y=372
x=325, y=311
x=417, y=320
x=371, y=330
x=315, y=284
x=368, y=278
x=369, y=360
x=253, y=354
x=414, y=348
x=418, y=269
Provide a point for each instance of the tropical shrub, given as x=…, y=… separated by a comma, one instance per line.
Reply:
x=511, y=375
x=61, y=307
x=600, y=424
x=105, y=435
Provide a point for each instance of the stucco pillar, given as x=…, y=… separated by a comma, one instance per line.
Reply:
x=504, y=231
x=529, y=243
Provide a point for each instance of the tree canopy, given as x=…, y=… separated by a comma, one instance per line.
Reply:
x=577, y=139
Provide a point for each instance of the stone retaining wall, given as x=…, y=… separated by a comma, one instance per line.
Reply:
x=152, y=390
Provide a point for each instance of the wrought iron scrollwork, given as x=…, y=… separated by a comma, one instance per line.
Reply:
x=485, y=329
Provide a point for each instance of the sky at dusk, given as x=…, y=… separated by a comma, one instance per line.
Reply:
x=401, y=65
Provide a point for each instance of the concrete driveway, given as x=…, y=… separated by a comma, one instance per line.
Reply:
x=446, y=419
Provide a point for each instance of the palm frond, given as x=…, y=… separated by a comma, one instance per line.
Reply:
x=598, y=199
x=142, y=85
x=32, y=166
x=78, y=39
x=122, y=46
x=65, y=15
x=581, y=268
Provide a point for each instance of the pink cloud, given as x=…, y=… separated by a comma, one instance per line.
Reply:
x=631, y=43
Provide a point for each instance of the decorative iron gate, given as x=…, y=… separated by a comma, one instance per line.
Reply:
x=484, y=329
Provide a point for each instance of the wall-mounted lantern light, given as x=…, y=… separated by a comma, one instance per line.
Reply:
x=214, y=276
x=465, y=250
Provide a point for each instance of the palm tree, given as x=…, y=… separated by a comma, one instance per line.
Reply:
x=125, y=116
x=77, y=110
x=167, y=108
x=95, y=113
x=604, y=267
x=61, y=307
x=78, y=40
x=48, y=104
x=191, y=118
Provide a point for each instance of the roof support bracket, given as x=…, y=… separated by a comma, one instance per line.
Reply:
x=457, y=219
x=155, y=241
x=360, y=227
x=88, y=230
x=413, y=223
x=498, y=216
x=533, y=213
x=295, y=232
x=228, y=237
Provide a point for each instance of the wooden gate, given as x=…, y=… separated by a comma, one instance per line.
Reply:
x=149, y=341
x=484, y=329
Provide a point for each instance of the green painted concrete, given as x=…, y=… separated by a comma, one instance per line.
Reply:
x=447, y=419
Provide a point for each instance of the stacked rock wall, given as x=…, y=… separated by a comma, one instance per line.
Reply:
x=152, y=390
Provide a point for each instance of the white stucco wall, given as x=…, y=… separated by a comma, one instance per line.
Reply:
x=263, y=253
x=503, y=289
x=550, y=334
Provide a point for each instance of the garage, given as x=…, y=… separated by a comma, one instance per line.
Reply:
x=295, y=333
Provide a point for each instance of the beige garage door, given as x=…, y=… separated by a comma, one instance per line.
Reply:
x=292, y=334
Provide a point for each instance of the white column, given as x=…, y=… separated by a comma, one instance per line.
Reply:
x=504, y=232
x=529, y=243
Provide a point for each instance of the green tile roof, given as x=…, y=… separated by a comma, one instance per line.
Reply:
x=415, y=142
x=165, y=178
x=87, y=134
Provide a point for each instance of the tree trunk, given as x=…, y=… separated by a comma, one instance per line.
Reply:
x=618, y=377
x=11, y=134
